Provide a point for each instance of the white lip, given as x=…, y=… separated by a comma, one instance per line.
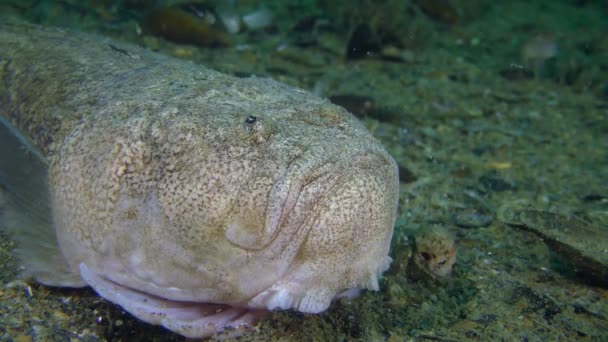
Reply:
x=190, y=319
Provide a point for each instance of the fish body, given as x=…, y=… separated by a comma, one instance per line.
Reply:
x=193, y=199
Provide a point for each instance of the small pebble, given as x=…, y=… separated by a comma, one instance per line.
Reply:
x=499, y=165
x=61, y=316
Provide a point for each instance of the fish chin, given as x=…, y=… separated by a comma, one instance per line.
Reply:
x=305, y=292
x=190, y=319
x=292, y=295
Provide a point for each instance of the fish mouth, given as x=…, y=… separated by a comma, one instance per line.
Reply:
x=304, y=184
x=189, y=319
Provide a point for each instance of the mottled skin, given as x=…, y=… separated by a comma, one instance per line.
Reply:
x=191, y=185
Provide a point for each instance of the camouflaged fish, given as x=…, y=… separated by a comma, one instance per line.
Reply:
x=193, y=199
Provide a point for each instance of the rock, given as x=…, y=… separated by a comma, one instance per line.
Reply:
x=581, y=243
x=187, y=24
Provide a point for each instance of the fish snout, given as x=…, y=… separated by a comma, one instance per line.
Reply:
x=349, y=226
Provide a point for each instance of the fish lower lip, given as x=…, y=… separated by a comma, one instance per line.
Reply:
x=190, y=319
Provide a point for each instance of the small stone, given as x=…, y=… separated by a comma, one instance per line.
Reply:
x=474, y=112
x=499, y=165
x=23, y=338
x=466, y=325
x=61, y=316
x=392, y=53
x=183, y=52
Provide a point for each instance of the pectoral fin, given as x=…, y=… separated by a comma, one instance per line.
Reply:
x=25, y=211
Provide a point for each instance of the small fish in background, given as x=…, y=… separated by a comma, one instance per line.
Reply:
x=428, y=254
x=195, y=200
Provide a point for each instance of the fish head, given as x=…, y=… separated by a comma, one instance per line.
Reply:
x=279, y=211
x=249, y=207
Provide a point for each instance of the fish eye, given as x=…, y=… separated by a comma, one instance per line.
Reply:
x=250, y=120
x=257, y=128
x=252, y=124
